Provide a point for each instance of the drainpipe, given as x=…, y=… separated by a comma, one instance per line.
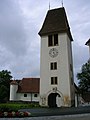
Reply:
x=31, y=96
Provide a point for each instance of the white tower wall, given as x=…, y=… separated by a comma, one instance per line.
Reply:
x=64, y=61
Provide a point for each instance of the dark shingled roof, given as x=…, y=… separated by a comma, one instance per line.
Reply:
x=56, y=22
x=88, y=42
x=29, y=85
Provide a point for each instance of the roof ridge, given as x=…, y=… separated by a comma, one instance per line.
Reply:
x=57, y=8
x=29, y=77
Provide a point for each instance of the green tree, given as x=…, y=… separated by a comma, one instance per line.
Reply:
x=84, y=77
x=3, y=92
x=5, y=77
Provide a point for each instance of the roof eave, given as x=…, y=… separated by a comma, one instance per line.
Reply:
x=88, y=42
x=54, y=32
x=27, y=92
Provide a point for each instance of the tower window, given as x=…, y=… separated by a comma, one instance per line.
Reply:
x=53, y=66
x=71, y=67
x=53, y=40
x=72, y=80
x=54, y=81
x=71, y=73
x=50, y=41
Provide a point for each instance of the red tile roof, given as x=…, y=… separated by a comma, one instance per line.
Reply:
x=29, y=85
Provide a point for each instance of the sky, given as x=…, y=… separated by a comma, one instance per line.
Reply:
x=20, y=22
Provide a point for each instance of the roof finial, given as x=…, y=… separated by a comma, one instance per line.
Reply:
x=62, y=3
x=49, y=4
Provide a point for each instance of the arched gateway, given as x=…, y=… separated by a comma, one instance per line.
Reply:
x=52, y=99
x=55, y=98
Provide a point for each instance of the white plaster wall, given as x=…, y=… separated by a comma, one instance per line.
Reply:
x=30, y=97
x=36, y=99
x=70, y=57
x=89, y=51
x=13, y=90
x=63, y=71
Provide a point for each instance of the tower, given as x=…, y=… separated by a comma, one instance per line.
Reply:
x=56, y=66
x=13, y=90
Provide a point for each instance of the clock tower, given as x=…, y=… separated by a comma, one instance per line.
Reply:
x=56, y=65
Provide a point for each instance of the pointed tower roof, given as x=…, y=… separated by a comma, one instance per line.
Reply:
x=56, y=22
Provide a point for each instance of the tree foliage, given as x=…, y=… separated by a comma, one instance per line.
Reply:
x=84, y=77
x=5, y=77
x=3, y=92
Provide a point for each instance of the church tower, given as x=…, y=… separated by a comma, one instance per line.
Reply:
x=56, y=65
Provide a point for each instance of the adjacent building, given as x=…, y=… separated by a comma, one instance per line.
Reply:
x=26, y=89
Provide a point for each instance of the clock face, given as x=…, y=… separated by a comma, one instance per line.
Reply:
x=53, y=52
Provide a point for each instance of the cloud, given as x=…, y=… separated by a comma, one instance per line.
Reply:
x=79, y=20
x=80, y=56
x=20, y=22
x=12, y=31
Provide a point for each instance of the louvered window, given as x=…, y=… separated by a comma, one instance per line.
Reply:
x=53, y=40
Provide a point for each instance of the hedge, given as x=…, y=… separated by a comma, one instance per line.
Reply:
x=9, y=107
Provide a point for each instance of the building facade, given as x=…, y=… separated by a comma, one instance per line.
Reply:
x=56, y=65
x=88, y=44
x=26, y=89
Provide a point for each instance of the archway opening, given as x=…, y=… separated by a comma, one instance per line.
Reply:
x=52, y=102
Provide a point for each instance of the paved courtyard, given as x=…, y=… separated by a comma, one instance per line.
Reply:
x=64, y=117
x=80, y=113
x=38, y=112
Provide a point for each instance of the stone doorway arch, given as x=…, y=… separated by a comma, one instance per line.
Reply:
x=52, y=102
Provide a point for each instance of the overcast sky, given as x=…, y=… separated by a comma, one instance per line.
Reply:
x=20, y=22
